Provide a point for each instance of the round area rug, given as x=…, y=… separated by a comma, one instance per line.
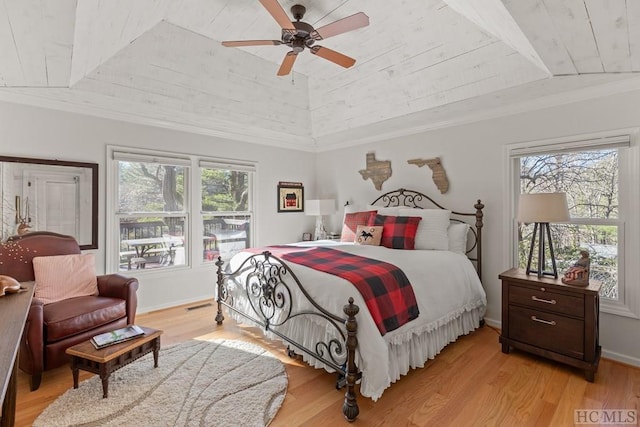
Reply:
x=197, y=383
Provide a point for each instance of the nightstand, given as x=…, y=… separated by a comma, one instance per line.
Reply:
x=543, y=316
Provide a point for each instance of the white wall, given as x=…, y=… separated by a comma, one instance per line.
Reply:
x=473, y=158
x=40, y=133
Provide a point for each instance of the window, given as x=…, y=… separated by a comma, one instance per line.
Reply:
x=597, y=176
x=151, y=211
x=590, y=180
x=176, y=210
x=225, y=208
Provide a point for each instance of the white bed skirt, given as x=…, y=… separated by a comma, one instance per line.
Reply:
x=412, y=353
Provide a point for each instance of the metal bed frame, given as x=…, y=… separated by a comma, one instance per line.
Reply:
x=267, y=282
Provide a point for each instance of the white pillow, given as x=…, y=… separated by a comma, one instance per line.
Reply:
x=390, y=211
x=432, y=229
x=458, y=232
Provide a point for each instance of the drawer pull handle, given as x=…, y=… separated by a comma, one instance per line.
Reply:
x=547, y=301
x=546, y=322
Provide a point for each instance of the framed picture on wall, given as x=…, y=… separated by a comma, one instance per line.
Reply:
x=290, y=197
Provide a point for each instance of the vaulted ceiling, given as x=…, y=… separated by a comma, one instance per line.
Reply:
x=420, y=64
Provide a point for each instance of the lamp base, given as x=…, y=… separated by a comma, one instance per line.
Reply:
x=320, y=232
x=542, y=230
x=542, y=273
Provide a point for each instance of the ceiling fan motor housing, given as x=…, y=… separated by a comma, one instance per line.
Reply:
x=299, y=38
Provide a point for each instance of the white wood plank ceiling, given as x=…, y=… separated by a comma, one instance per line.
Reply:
x=420, y=64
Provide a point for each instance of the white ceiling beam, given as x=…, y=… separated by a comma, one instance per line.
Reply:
x=494, y=18
x=105, y=27
x=535, y=22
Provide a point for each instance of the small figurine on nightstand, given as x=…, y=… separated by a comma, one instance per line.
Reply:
x=578, y=274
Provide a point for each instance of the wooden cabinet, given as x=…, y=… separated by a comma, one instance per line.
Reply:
x=13, y=315
x=545, y=317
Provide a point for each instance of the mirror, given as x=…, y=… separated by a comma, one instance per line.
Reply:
x=49, y=195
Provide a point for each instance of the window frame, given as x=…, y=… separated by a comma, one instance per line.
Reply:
x=192, y=203
x=207, y=163
x=628, y=221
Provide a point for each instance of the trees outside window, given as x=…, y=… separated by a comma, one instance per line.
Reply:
x=175, y=209
x=225, y=208
x=151, y=214
x=590, y=178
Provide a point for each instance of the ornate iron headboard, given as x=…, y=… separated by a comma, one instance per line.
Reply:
x=415, y=199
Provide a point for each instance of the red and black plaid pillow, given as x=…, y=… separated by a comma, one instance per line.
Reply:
x=398, y=232
x=351, y=223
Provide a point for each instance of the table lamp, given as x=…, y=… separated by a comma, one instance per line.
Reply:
x=320, y=208
x=542, y=209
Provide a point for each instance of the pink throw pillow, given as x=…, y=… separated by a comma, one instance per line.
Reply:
x=64, y=276
x=351, y=223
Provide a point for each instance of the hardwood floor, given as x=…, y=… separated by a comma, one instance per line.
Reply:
x=470, y=383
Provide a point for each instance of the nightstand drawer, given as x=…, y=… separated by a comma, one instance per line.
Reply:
x=538, y=298
x=549, y=331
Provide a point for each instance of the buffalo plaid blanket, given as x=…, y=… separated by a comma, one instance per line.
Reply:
x=384, y=287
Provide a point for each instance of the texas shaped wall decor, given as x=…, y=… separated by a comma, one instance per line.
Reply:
x=377, y=170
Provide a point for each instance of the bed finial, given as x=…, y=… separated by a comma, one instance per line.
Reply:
x=219, y=316
x=479, y=215
x=350, y=407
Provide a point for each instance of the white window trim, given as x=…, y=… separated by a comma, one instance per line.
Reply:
x=193, y=221
x=629, y=225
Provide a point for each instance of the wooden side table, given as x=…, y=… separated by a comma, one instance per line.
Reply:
x=14, y=309
x=545, y=317
x=108, y=359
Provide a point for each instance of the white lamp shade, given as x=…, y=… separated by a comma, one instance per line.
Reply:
x=320, y=207
x=543, y=207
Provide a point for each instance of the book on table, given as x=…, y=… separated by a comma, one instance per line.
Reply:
x=117, y=336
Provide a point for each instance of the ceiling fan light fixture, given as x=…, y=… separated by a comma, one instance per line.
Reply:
x=297, y=44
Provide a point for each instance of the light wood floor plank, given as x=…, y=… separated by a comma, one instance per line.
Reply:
x=471, y=383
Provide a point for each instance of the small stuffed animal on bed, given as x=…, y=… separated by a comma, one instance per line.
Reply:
x=8, y=285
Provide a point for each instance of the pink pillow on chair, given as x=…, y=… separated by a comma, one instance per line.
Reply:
x=64, y=276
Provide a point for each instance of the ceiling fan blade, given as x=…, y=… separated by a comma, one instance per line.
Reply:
x=287, y=63
x=333, y=56
x=340, y=26
x=278, y=13
x=240, y=43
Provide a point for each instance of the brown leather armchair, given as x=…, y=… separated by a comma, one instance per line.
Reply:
x=54, y=327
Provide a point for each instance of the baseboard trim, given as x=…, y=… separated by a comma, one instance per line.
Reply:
x=198, y=299
x=622, y=358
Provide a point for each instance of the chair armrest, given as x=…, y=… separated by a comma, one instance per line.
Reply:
x=32, y=342
x=118, y=286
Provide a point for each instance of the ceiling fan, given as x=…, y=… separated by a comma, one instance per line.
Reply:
x=298, y=35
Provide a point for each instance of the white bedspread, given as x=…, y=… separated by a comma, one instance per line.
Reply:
x=450, y=298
